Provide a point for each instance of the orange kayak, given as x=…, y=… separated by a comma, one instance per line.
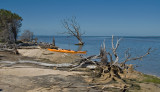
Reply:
x=68, y=51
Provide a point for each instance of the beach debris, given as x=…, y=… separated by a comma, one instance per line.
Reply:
x=9, y=48
x=108, y=68
x=45, y=45
x=9, y=63
x=91, y=66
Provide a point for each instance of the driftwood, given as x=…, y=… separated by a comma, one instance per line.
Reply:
x=110, y=69
x=9, y=63
x=128, y=55
x=47, y=45
x=103, y=56
x=28, y=47
x=9, y=48
x=84, y=61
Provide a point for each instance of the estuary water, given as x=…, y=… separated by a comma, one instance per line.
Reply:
x=138, y=46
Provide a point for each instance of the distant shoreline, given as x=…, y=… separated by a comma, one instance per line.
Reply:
x=96, y=36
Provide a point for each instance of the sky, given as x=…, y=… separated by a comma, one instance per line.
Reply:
x=96, y=17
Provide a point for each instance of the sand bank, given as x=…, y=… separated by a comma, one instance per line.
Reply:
x=45, y=55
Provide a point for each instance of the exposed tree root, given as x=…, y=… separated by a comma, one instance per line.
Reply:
x=109, y=70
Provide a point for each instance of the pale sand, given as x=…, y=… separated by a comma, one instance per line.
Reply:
x=29, y=79
x=30, y=71
x=44, y=54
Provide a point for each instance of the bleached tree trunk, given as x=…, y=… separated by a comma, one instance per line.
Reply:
x=111, y=70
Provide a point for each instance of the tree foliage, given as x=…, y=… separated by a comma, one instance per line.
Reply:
x=9, y=26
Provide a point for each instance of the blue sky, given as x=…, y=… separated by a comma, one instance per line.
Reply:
x=96, y=17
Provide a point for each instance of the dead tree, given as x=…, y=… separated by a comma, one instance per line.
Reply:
x=110, y=69
x=73, y=29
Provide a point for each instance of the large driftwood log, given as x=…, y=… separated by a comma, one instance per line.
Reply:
x=9, y=63
x=110, y=69
x=85, y=60
x=9, y=48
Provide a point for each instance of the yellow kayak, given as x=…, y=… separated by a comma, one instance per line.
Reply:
x=68, y=51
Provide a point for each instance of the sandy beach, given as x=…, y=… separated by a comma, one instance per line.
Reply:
x=48, y=56
x=35, y=78
x=79, y=46
x=31, y=77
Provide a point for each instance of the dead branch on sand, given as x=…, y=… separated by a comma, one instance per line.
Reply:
x=110, y=69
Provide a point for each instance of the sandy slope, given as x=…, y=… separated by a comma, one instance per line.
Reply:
x=30, y=71
x=45, y=55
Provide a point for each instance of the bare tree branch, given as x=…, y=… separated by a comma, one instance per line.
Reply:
x=65, y=24
x=140, y=57
x=127, y=54
x=110, y=55
x=114, y=50
x=85, y=60
x=73, y=29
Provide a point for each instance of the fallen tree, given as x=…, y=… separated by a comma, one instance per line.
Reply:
x=108, y=68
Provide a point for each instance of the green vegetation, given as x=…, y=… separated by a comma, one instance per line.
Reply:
x=152, y=79
x=9, y=26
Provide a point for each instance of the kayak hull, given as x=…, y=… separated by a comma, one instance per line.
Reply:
x=68, y=51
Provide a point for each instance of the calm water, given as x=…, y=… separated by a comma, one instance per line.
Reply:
x=138, y=46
